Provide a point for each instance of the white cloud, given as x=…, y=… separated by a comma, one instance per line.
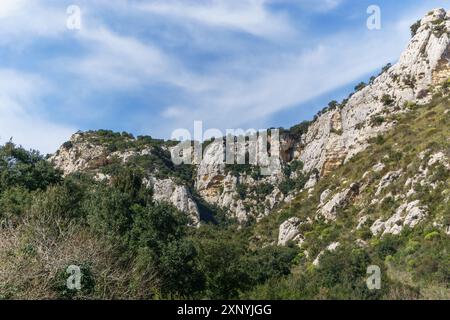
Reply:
x=10, y=7
x=20, y=116
x=291, y=79
x=250, y=16
x=312, y=5
x=21, y=20
x=115, y=61
x=173, y=112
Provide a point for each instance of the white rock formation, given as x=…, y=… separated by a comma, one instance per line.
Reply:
x=78, y=155
x=324, y=196
x=440, y=158
x=339, y=200
x=169, y=192
x=289, y=231
x=408, y=214
x=423, y=63
x=332, y=247
x=378, y=167
x=361, y=222
x=387, y=180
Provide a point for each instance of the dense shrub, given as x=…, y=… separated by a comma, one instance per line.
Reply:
x=28, y=169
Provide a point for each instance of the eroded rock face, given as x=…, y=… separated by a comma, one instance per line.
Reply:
x=78, y=155
x=338, y=135
x=328, y=210
x=289, y=231
x=408, y=214
x=178, y=195
x=219, y=188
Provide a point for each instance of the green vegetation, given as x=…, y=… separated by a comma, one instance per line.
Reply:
x=415, y=27
x=130, y=247
x=387, y=100
x=414, y=264
x=126, y=245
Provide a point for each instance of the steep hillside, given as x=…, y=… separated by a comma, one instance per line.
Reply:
x=308, y=151
x=365, y=183
x=391, y=201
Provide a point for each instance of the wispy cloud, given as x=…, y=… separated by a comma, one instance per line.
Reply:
x=250, y=16
x=22, y=20
x=21, y=115
x=230, y=63
x=289, y=80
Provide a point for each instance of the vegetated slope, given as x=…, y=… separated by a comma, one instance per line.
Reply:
x=365, y=183
x=388, y=206
x=130, y=246
x=309, y=151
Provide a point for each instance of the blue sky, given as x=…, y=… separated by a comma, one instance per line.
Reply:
x=150, y=67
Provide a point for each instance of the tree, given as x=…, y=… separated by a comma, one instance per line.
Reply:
x=333, y=105
x=159, y=235
x=220, y=261
x=22, y=168
x=269, y=262
x=360, y=86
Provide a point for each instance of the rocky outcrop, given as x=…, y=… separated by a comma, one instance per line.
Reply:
x=289, y=231
x=81, y=154
x=84, y=154
x=178, y=195
x=408, y=214
x=328, y=210
x=439, y=158
x=78, y=154
x=387, y=180
x=339, y=134
x=219, y=187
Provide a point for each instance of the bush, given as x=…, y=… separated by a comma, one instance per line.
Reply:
x=360, y=86
x=387, y=246
x=269, y=262
x=387, y=100
x=28, y=169
x=432, y=235
x=377, y=121
x=299, y=130
x=59, y=283
x=415, y=27
x=241, y=190
x=13, y=204
x=220, y=263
